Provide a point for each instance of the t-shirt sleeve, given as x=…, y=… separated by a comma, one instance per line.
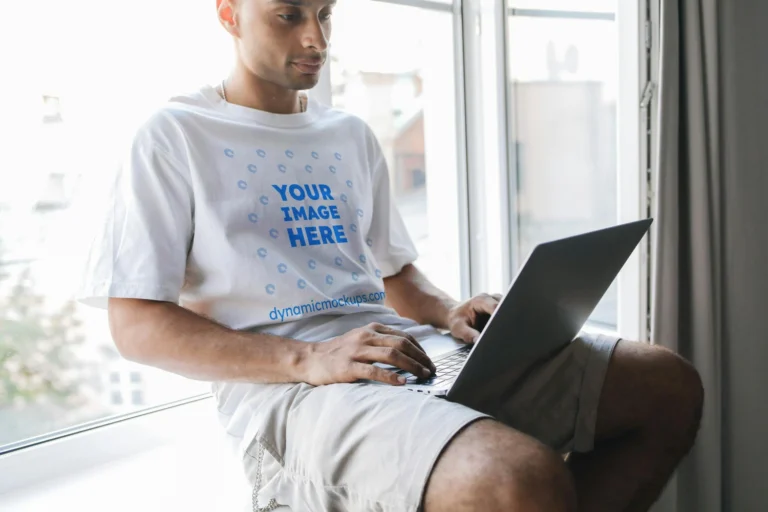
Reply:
x=141, y=244
x=391, y=244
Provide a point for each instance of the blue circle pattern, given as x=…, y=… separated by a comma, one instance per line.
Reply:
x=281, y=168
x=229, y=153
x=253, y=218
x=338, y=156
x=353, y=228
x=261, y=153
x=343, y=198
x=332, y=169
x=360, y=213
x=271, y=289
x=329, y=279
x=252, y=168
x=369, y=242
x=312, y=264
x=355, y=277
x=308, y=168
x=349, y=183
x=289, y=153
x=338, y=261
x=363, y=259
x=301, y=284
x=315, y=155
x=262, y=253
x=378, y=273
x=242, y=185
x=264, y=200
x=282, y=268
x=274, y=233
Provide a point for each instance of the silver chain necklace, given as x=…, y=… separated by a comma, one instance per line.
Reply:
x=302, y=105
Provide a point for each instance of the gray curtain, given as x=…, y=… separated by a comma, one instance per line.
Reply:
x=711, y=281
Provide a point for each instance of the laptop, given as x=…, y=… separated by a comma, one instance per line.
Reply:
x=544, y=309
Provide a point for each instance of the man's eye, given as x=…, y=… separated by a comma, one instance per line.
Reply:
x=326, y=16
x=288, y=17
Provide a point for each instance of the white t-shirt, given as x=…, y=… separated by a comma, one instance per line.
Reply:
x=250, y=218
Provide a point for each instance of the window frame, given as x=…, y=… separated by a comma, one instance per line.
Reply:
x=632, y=192
x=633, y=195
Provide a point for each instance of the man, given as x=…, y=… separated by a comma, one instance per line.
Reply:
x=268, y=217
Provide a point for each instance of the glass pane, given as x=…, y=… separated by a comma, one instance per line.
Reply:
x=404, y=87
x=563, y=91
x=77, y=95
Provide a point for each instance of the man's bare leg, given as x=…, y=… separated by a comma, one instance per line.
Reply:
x=648, y=418
x=490, y=467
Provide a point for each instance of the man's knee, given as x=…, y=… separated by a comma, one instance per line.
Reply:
x=669, y=392
x=491, y=467
x=685, y=397
x=653, y=389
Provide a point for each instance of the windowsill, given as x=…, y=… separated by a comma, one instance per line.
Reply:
x=177, y=459
x=176, y=477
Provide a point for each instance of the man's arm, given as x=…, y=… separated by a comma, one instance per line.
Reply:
x=412, y=295
x=169, y=337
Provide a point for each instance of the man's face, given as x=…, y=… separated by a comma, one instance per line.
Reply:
x=284, y=42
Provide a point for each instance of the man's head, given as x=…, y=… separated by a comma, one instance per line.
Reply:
x=284, y=42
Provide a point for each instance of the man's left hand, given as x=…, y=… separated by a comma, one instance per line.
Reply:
x=463, y=318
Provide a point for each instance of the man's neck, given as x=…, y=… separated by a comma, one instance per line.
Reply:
x=245, y=89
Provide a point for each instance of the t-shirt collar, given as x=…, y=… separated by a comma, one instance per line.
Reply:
x=260, y=116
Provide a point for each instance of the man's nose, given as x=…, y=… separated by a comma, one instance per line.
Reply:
x=314, y=36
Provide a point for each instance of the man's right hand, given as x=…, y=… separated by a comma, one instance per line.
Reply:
x=349, y=357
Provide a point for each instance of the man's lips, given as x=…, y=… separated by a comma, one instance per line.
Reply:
x=309, y=67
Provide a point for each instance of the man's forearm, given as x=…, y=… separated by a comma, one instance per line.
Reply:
x=169, y=337
x=412, y=295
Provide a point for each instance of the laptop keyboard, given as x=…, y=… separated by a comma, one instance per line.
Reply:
x=447, y=369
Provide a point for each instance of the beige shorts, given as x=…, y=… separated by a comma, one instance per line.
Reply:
x=359, y=447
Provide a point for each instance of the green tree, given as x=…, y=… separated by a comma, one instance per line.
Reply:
x=39, y=347
x=44, y=384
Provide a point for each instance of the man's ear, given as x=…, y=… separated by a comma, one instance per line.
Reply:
x=226, y=12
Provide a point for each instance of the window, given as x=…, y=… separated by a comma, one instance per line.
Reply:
x=117, y=398
x=65, y=123
x=137, y=397
x=404, y=87
x=418, y=178
x=563, y=97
